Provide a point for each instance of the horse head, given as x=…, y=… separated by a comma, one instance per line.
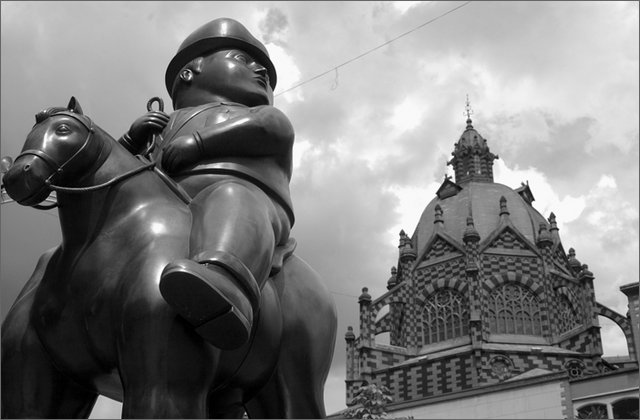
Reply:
x=59, y=150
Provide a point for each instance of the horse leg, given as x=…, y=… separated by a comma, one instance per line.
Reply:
x=31, y=385
x=292, y=392
x=166, y=368
x=296, y=389
x=226, y=404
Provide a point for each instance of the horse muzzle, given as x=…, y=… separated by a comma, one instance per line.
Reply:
x=25, y=181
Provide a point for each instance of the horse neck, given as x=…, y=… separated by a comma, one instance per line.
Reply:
x=83, y=214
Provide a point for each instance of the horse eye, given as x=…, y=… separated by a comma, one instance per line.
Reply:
x=63, y=129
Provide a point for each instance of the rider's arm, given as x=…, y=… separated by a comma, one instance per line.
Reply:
x=130, y=145
x=136, y=139
x=264, y=131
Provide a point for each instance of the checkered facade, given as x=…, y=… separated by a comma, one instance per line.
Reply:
x=561, y=296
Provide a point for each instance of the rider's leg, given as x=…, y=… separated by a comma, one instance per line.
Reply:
x=235, y=230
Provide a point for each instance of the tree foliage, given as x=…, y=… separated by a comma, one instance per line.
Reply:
x=370, y=402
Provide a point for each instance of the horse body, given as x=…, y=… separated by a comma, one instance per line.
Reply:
x=91, y=319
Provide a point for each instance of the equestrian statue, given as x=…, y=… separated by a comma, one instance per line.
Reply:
x=176, y=289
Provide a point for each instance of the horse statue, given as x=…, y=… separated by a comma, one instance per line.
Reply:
x=90, y=320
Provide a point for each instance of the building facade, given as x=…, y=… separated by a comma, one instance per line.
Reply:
x=487, y=307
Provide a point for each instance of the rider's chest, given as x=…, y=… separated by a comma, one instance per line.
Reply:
x=188, y=122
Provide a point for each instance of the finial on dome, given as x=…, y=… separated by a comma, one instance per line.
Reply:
x=407, y=252
x=393, y=280
x=404, y=239
x=438, y=214
x=503, y=206
x=552, y=222
x=585, y=273
x=544, y=238
x=365, y=297
x=468, y=112
x=470, y=233
x=349, y=335
x=574, y=263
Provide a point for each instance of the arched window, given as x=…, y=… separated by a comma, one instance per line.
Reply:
x=445, y=316
x=567, y=317
x=625, y=409
x=592, y=411
x=514, y=309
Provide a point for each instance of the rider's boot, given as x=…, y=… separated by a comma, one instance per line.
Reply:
x=217, y=295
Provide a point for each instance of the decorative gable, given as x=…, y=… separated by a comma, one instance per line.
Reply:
x=525, y=192
x=448, y=189
x=440, y=248
x=508, y=239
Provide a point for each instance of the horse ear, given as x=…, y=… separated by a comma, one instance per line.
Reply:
x=74, y=106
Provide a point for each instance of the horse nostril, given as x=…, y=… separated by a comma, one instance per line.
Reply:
x=26, y=167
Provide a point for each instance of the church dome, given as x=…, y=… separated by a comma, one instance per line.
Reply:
x=482, y=201
x=474, y=194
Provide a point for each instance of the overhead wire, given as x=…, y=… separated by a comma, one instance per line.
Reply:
x=335, y=69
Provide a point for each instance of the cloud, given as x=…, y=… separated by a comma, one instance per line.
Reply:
x=273, y=25
x=553, y=86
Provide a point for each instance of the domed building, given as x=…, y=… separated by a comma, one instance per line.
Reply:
x=486, y=308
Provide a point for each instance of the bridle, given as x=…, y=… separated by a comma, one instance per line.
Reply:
x=59, y=169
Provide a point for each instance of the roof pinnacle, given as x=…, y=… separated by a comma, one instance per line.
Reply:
x=468, y=112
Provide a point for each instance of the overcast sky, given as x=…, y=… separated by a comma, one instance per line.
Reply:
x=553, y=87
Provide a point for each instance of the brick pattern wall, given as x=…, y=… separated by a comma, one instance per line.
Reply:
x=523, y=362
x=508, y=240
x=427, y=379
x=584, y=342
x=438, y=249
x=426, y=279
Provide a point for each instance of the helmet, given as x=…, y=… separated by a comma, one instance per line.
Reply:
x=218, y=34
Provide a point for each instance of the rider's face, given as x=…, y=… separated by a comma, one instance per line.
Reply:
x=237, y=76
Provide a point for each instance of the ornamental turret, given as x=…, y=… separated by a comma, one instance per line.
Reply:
x=472, y=160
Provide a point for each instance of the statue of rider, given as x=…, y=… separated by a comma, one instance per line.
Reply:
x=231, y=151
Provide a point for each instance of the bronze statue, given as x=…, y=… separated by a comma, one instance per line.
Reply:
x=231, y=150
x=249, y=326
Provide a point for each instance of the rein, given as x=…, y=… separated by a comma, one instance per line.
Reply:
x=59, y=169
x=80, y=190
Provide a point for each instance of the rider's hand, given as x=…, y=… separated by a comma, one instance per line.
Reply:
x=144, y=127
x=182, y=152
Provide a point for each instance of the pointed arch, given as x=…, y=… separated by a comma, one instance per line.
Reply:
x=442, y=283
x=514, y=309
x=497, y=280
x=445, y=315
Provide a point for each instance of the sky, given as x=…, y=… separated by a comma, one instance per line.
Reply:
x=553, y=87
